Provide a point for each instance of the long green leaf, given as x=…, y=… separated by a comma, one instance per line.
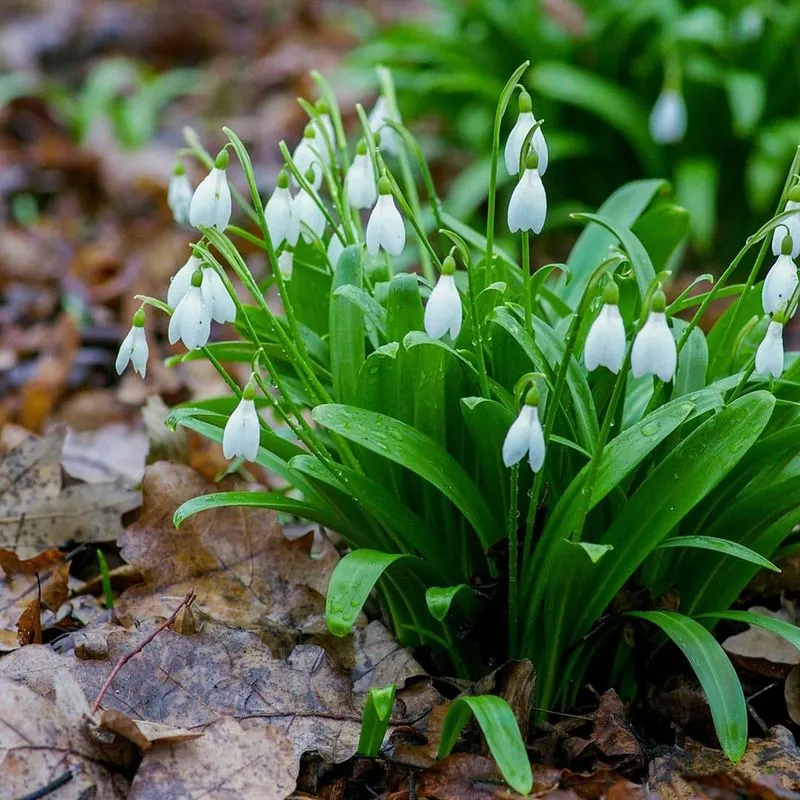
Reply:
x=786, y=630
x=723, y=546
x=346, y=326
x=440, y=598
x=377, y=713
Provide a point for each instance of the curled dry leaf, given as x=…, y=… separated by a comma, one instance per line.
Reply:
x=762, y=651
x=113, y=451
x=11, y=563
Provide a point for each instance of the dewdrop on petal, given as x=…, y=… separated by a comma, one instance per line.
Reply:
x=378, y=117
x=191, y=319
x=335, y=248
x=526, y=435
x=360, y=183
x=668, y=118
x=443, y=311
x=525, y=121
x=179, y=194
x=308, y=159
x=605, y=343
x=385, y=228
x=278, y=211
x=781, y=280
x=134, y=347
x=242, y=433
x=306, y=216
x=654, y=351
x=769, y=356
x=286, y=264
x=211, y=201
x=789, y=226
x=528, y=206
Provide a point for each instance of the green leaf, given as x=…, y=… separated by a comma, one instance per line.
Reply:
x=696, y=184
x=747, y=96
x=715, y=673
x=404, y=310
x=594, y=551
x=377, y=713
x=692, y=360
x=719, y=546
x=786, y=630
x=662, y=230
x=440, y=598
x=406, y=446
x=346, y=327
x=499, y=726
x=372, y=310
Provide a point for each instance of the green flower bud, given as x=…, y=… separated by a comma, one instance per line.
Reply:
x=138, y=319
x=780, y=317
x=786, y=245
x=532, y=397
x=221, y=161
x=197, y=278
x=179, y=169
x=309, y=132
x=384, y=185
x=448, y=266
x=283, y=179
x=794, y=193
x=322, y=106
x=525, y=104
x=658, y=302
x=532, y=159
x=309, y=176
x=361, y=148
x=377, y=137
x=611, y=293
x=249, y=391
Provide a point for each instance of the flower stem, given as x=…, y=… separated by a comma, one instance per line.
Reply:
x=513, y=564
x=527, y=300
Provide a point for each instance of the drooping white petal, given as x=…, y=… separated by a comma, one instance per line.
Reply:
x=791, y=226
x=518, y=438
x=536, y=442
x=223, y=309
x=769, y=356
x=278, y=213
x=335, y=248
x=528, y=206
x=605, y=343
x=181, y=281
x=443, y=312
x=654, y=351
x=668, y=117
x=286, y=264
x=525, y=121
x=385, y=228
x=306, y=214
x=326, y=136
x=134, y=349
x=179, y=197
x=779, y=285
x=360, y=183
x=539, y=144
x=306, y=156
x=191, y=320
x=390, y=140
x=211, y=202
x=241, y=435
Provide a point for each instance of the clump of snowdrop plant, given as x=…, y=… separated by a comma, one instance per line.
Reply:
x=559, y=431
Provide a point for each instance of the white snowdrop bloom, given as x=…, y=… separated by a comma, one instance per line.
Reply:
x=286, y=264
x=605, y=344
x=526, y=435
x=654, y=351
x=179, y=195
x=360, y=183
x=668, y=117
x=278, y=211
x=380, y=114
x=191, y=319
x=134, y=347
x=528, y=205
x=335, y=248
x=242, y=433
x=211, y=201
x=781, y=280
x=223, y=308
x=769, y=356
x=308, y=159
x=307, y=217
x=385, y=228
x=443, y=311
x=525, y=121
x=789, y=226
x=326, y=134
x=181, y=281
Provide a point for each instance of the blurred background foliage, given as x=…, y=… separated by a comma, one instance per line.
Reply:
x=597, y=68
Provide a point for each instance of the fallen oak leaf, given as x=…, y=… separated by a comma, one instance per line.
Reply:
x=143, y=733
x=762, y=651
x=12, y=564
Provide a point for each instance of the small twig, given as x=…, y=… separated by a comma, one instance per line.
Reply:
x=51, y=787
x=187, y=601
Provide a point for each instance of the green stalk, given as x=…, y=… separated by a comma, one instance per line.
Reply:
x=513, y=564
x=527, y=300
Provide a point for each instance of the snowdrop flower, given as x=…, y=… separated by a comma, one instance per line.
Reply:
x=278, y=211
x=180, y=283
x=223, y=308
x=326, y=136
x=781, y=280
x=769, y=356
x=528, y=206
x=443, y=312
x=360, y=183
x=605, y=344
x=668, y=117
x=179, y=194
x=525, y=121
x=654, y=351
x=286, y=264
x=307, y=218
x=191, y=319
x=378, y=117
x=211, y=201
x=790, y=226
x=385, y=228
x=242, y=435
x=307, y=158
x=335, y=248
x=134, y=347
x=525, y=435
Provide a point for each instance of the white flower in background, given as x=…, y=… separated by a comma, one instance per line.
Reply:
x=654, y=351
x=781, y=280
x=443, y=312
x=769, y=356
x=223, y=308
x=360, y=183
x=179, y=194
x=134, y=347
x=286, y=264
x=278, y=211
x=307, y=158
x=605, y=343
x=668, y=117
x=335, y=247
x=307, y=218
x=242, y=433
x=528, y=206
x=385, y=228
x=789, y=226
x=526, y=435
x=525, y=121
x=326, y=134
x=180, y=282
x=380, y=114
x=211, y=201
x=191, y=319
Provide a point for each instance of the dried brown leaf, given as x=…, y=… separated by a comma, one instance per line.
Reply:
x=762, y=651
x=12, y=564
